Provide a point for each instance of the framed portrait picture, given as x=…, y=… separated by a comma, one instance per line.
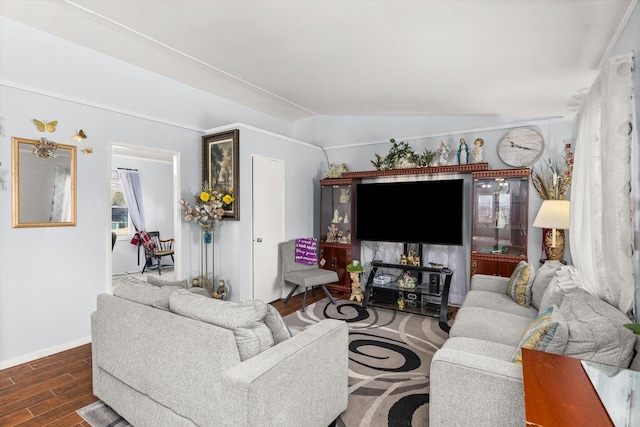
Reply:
x=221, y=168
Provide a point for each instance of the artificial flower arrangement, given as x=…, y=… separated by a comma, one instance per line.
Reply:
x=209, y=206
x=553, y=181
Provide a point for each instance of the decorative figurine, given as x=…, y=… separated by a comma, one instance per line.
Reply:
x=354, y=269
x=401, y=303
x=443, y=153
x=335, y=171
x=463, y=153
x=403, y=259
x=344, y=195
x=332, y=235
x=407, y=281
x=336, y=217
x=477, y=150
x=222, y=291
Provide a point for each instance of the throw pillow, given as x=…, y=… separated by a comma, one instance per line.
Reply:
x=564, y=281
x=276, y=325
x=596, y=331
x=544, y=274
x=144, y=293
x=156, y=281
x=548, y=333
x=520, y=282
x=244, y=319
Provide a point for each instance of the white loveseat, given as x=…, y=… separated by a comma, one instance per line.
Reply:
x=163, y=356
x=475, y=379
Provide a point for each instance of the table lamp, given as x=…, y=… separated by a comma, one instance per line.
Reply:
x=554, y=217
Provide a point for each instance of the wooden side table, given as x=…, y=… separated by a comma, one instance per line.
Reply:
x=558, y=392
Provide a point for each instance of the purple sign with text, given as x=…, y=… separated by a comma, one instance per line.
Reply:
x=307, y=251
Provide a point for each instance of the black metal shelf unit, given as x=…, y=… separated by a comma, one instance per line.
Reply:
x=425, y=299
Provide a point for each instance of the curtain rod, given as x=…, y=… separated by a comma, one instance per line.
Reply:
x=127, y=169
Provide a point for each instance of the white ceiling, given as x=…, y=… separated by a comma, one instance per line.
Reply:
x=294, y=59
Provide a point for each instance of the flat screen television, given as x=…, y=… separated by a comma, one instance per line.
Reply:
x=427, y=212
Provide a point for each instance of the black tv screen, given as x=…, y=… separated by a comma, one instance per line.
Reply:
x=428, y=212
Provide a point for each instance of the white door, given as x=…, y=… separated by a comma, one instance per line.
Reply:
x=268, y=226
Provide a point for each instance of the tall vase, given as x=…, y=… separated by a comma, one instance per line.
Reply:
x=206, y=239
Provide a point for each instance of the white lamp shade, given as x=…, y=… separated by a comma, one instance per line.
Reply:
x=553, y=214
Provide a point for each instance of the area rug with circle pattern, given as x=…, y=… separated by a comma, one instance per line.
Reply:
x=389, y=358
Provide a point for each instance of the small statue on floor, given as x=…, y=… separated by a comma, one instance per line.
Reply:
x=222, y=291
x=356, y=287
x=354, y=269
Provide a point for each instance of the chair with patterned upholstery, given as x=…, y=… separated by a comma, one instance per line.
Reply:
x=303, y=275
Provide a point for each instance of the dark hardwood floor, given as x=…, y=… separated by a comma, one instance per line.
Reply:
x=48, y=391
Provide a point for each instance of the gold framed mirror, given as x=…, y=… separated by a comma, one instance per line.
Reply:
x=44, y=188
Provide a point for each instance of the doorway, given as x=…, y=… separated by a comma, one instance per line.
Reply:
x=268, y=226
x=170, y=175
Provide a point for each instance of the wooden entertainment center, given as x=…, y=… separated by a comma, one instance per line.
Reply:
x=499, y=216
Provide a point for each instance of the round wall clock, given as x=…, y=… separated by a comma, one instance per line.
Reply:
x=520, y=147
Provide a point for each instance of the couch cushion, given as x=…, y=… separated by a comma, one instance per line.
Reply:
x=596, y=331
x=548, y=333
x=157, y=281
x=311, y=277
x=544, y=274
x=564, y=282
x=473, y=346
x=519, y=286
x=500, y=302
x=244, y=319
x=143, y=293
x=490, y=325
x=276, y=325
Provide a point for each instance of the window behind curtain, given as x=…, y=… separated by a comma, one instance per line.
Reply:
x=120, y=222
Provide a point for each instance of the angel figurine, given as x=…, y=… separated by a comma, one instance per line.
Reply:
x=477, y=150
x=443, y=153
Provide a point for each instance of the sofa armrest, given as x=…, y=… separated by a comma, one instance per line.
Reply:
x=487, y=283
x=470, y=389
x=301, y=381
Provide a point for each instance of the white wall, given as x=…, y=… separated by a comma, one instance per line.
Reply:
x=303, y=166
x=50, y=277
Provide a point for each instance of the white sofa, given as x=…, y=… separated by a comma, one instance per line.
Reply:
x=163, y=356
x=475, y=379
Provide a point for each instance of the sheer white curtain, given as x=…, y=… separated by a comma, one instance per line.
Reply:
x=61, y=204
x=601, y=216
x=130, y=180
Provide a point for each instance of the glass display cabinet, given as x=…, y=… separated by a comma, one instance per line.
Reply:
x=338, y=246
x=499, y=221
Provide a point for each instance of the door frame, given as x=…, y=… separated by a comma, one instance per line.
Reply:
x=148, y=154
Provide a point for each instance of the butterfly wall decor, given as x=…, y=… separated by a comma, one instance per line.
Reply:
x=87, y=150
x=79, y=136
x=45, y=125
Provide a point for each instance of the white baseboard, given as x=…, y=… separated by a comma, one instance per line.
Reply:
x=44, y=353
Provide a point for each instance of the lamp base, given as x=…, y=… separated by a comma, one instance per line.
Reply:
x=553, y=253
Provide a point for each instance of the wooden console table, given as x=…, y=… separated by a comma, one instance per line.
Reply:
x=558, y=392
